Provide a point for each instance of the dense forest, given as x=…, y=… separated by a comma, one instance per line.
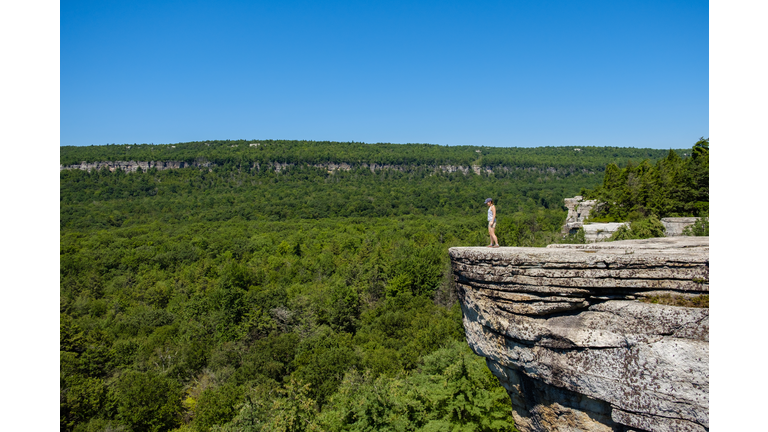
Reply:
x=249, y=152
x=241, y=297
x=671, y=187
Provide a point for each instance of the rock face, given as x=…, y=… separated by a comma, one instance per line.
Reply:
x=132, y=166
x=594, y=232
x=674, y=226
x=563, y=329
x=578, y=210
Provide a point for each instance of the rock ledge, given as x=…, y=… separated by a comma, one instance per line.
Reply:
x=563, y=329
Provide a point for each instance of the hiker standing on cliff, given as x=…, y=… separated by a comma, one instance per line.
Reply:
x=492, y=223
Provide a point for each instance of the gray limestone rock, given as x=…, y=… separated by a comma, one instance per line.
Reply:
x=132, y=166
x=674, y=226
x=578, y=211
x=594, y=232
x=563, y=329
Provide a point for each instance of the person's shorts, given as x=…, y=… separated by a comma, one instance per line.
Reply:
x=492, y=224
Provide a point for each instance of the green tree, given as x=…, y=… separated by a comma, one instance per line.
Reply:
x=671, y=187
x=650, y=227
x=699, y=228
x=148, y=401
x=217, y=405
x=451, y=390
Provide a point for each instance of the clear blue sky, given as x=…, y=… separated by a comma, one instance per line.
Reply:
x=498, y=73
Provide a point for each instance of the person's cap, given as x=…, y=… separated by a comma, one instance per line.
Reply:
x=487, y=200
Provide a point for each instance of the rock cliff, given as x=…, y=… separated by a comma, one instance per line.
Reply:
x=132, y=166
x=564, y=330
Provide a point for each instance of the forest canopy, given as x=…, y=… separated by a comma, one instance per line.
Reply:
x=249, y=152
x=671, y=187
x=238, y=296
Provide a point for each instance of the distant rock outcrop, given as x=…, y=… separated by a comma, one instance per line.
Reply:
x=564, y=330
x=132, y=166
x=579, y=210
x=674, y=226
x=594, y=232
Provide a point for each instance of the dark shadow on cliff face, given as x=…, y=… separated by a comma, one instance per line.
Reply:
x=540, y=406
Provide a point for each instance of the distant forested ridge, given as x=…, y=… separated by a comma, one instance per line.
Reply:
x=243, y=181
x=240, y=296
x=242, y=153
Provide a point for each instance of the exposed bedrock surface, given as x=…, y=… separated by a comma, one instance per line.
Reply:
x=564, y=330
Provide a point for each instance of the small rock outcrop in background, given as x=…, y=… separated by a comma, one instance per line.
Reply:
x=674, y=226
x=578, y=211
x=564, y=330
x=594, y=232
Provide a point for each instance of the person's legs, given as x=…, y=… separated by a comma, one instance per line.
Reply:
x=492, y=233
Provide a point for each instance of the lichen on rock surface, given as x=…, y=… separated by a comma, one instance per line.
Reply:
x=564, y=330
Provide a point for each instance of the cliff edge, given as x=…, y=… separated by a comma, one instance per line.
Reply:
x=565, y=331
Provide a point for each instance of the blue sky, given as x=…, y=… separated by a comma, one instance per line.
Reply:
x=506, y=73
x=498, y=73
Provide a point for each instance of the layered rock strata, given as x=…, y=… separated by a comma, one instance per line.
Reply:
x=132, y=166
x=674, y=226
x=599, y=231
x=564, y=330
x=578, y=211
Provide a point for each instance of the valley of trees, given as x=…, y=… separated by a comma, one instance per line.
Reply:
x=241, y=298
